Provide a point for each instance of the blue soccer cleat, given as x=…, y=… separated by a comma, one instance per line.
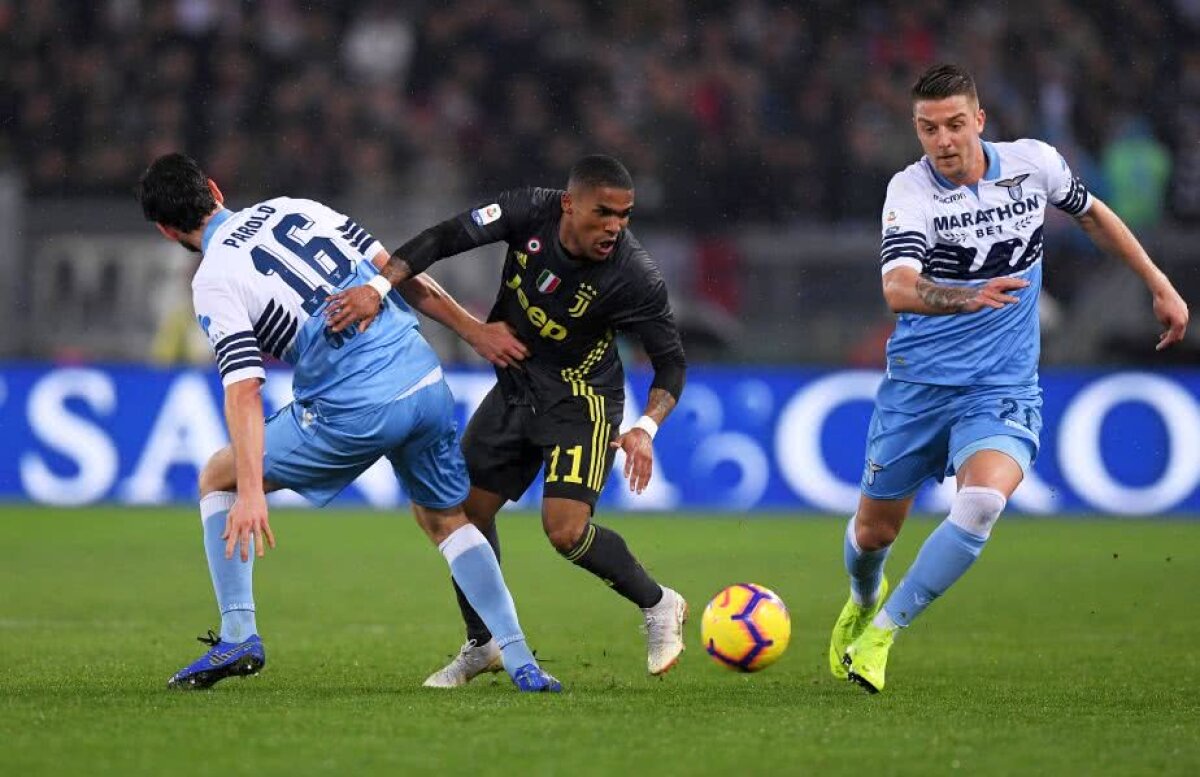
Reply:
x=531, y=678
x=224, y=659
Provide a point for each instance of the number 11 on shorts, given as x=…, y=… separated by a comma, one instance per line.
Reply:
x=576, y=455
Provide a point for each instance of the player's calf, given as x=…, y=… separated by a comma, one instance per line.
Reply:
x=477, y=572
x=604, y=553
x=945, y=556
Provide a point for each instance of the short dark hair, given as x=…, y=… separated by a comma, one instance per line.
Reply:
x=597, y=170
x=942, y=81
x=174, y=192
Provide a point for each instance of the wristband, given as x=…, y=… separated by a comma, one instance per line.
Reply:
x=381, y=285
x=647, y=425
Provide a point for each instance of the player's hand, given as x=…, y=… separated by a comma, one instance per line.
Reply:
x=994, y=294
x=1172, y=312
x=497, y=342
x=639, y=457
x=355, y=305
x=248, y=518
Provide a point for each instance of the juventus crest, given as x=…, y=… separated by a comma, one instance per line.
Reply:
x=583, y=297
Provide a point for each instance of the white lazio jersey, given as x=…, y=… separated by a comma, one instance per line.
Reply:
x=968, y=235
x=261, y=289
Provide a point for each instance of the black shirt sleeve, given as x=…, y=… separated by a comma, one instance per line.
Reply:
x=645, y=311
x=510, y=215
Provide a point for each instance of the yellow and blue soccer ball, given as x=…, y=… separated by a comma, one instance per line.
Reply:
x=746, y=627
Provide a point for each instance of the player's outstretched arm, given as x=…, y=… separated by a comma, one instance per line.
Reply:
x=497, y=342
x=248, y=516
x=908, y=291
x=467, y=230
x=1111, y=235
x=361, y=304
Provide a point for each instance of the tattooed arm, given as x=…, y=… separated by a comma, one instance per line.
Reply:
x=659, y=405
x=397, y=269
x=907, y=291
x=649, y=318
x=636, y=442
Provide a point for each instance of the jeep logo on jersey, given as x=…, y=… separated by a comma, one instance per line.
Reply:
x=583, y=297
x=1015, y=192
x=486, y=215
x=534, y=245
x=547, y=327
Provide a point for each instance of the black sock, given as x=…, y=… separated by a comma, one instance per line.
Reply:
x=602, y=552
x=475, y=628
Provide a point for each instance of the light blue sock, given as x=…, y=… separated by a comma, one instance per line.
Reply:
x=232, y=578
x=864, y=567
x=475, y=568
x=946, y=555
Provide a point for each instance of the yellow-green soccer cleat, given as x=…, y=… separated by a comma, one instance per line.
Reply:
x=853, y=619
x=866, y=658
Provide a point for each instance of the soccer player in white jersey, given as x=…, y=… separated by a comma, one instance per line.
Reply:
x=962, y=268
x=261, y=288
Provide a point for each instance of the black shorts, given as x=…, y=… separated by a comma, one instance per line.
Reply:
x=505, y=445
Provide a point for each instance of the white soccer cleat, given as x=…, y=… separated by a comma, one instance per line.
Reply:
x=472, y=660
x=664, y=631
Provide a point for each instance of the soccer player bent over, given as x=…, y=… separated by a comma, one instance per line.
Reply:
x=962, y=268
x=573, y=274
x=262, y=287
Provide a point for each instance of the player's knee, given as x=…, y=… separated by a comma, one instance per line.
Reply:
x=481, y=507
x=218, y=473
x=874, y=536
x=439, y=524
x=565, y=536
x=976, y=509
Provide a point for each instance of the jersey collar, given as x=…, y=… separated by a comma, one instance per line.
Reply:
x=993, y=159
x=990, y=174
x=214, y=223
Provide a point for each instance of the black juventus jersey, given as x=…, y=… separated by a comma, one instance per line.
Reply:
x=565, y=309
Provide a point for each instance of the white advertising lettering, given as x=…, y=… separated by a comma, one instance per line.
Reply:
x=89, y=449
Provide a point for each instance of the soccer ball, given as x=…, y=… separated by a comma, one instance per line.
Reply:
x=746, y=627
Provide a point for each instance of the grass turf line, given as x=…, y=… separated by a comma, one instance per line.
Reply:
x=1070, y=648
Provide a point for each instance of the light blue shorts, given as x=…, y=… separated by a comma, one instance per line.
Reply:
x=317, y=454
x=920, y=431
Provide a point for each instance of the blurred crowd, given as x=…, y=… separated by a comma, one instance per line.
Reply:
x=725, y=111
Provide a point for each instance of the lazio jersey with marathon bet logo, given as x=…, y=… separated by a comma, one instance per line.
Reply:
x=967, y=235
x=261, y=289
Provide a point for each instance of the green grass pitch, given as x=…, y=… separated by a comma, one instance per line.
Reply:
x=1073, y=647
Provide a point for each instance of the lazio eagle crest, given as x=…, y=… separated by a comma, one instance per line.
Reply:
x=1015, y=192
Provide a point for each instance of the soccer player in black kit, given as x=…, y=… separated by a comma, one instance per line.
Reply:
x=573, y=276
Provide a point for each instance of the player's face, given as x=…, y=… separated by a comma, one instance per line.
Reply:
x=949, y=132
x=593, y=220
